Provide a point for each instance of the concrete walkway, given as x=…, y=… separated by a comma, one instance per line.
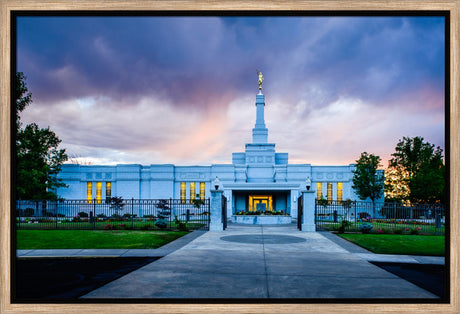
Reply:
x=264, y=262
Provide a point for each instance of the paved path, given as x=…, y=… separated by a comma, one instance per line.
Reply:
x=263, y=262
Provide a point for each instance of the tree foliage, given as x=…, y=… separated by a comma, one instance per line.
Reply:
x=368, y=182
x=38, y=158
x=22, y=97
x=418, y=169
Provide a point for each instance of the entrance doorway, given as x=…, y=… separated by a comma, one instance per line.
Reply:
x=260, y=203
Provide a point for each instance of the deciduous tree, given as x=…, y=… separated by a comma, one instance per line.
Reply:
x=38, y=158
x=418, y=167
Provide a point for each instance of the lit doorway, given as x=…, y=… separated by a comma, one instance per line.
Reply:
x=260, y=203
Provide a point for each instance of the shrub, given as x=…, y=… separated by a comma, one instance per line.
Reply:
x=180, y=225
x=101, y=216
x=415, y=231
x=365, y=228
x=29, y=212
x=161, y=224
x=110, y=227
x=145, y=227
x=129, y=216
x=83, y=215
x=399, y=231
x=362, y=215
x=322, y=202
x=344, y=225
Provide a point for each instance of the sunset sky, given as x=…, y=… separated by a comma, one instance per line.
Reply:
x=181, y=90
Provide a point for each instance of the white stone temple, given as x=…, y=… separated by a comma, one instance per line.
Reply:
x=257, y=179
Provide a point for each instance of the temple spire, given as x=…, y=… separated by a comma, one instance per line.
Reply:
x=260, y=132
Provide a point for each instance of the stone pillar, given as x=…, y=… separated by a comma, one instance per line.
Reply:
x=216, y=211
x=229, y=203
x=308, y=219
x=293, y=203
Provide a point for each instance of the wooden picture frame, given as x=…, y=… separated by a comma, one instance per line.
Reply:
x=7, y=6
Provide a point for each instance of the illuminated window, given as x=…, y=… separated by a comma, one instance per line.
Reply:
x=329, y=191
x=89, y=192
x=192, y=190
x=98, y=192
x=108, y=190
x=319, y=190
x=202, y=189
x=339, y=192
x=183, y=190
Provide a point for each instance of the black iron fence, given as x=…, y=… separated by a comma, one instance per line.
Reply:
x=354, y=216
x=154, y=214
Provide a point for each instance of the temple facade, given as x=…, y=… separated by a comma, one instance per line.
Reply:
x=257, y=179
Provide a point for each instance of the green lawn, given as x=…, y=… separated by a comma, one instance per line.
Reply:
x=89, y=239
x=399, y=244
x=426, y=229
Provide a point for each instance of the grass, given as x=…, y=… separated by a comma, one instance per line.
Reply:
x=402, y=227
x=399, y=244
x=94, y=239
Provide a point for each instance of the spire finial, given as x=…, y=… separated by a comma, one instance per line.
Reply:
x=261, y=79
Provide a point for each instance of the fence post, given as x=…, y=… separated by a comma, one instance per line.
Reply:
x=170, y=212
x=132, y=213
x=18, y=212
x=209, y=212
x=394, y=217
x=94, y=205
x=94, y=219
x=356, y=218
x=56, y=212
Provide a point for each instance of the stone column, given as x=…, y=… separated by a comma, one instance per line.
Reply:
x=308, y=219
x=216, y=211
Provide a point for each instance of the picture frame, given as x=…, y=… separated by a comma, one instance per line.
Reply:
x=8, y=6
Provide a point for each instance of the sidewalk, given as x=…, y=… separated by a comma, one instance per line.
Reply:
x=177, y=244
x=265, y=262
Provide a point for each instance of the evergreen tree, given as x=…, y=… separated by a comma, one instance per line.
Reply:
x=368, y=182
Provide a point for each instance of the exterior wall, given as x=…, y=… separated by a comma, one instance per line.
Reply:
x=163, y=181
x=259, y=168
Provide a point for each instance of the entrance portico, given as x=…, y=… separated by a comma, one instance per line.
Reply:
x=255, y=196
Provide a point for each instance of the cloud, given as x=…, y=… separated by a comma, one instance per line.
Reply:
x=182, y=89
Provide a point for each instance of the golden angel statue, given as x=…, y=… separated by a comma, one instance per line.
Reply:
x=261, y=79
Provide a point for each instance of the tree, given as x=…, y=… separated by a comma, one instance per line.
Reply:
x=368, y=182
x=21, y=96
x=419, y=168
x=38, y=158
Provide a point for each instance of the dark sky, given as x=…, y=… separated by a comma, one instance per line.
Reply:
x=182, y=89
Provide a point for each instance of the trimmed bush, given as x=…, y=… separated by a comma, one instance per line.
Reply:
x=365, y=228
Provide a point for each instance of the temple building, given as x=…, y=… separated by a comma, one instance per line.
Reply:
x=257, y=179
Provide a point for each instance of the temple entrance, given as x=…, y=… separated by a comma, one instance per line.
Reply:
x=260, y=203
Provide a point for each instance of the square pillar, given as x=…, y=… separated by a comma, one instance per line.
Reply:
x=308, y=219
x=216, y=211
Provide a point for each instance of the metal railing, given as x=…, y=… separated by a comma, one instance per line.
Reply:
x=136, y=214
x=355, y=216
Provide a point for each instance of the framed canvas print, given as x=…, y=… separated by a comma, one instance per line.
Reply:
x=199, y=156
